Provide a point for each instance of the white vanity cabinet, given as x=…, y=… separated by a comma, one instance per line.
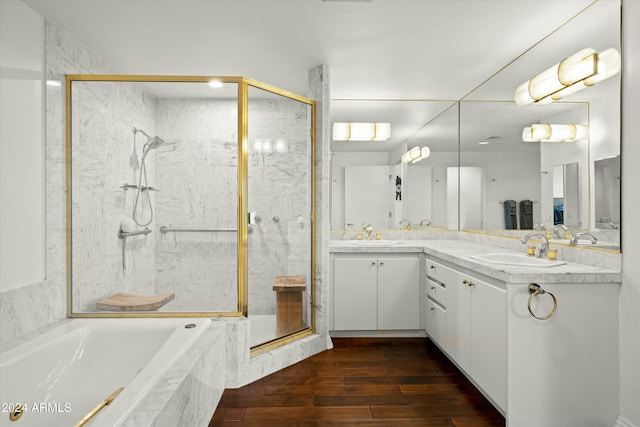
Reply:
x=491, y=323
x=473, y=313
x=376, y=292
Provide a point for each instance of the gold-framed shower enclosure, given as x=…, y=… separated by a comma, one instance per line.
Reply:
x=243, y=85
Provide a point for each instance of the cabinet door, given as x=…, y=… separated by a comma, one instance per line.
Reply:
x=435, y=321
x=355, y=296
x=399, y=293
x=457, y=325
x=489, y=340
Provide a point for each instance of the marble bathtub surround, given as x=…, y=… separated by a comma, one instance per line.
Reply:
x=193, y=385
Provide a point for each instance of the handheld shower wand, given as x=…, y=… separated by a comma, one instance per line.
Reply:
x=151, y=144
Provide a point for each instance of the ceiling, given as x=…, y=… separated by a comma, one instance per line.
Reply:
x=399, y=52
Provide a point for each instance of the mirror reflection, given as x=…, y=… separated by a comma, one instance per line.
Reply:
x=515, y=178
x=478, y=159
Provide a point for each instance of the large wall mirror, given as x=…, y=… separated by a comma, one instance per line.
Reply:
x=479, y=160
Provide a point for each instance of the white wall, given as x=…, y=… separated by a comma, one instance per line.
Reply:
x=22, y=221
x=630, y=291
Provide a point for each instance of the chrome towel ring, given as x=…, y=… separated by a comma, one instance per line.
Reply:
x=535, y=289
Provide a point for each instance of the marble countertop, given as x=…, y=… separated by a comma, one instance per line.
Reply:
x=459, y=252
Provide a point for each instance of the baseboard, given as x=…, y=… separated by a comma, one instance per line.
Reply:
x=419, y=333
x=623, y=422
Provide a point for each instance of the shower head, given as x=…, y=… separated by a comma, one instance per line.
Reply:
x=152, y=144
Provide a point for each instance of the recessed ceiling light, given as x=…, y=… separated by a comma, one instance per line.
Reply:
x=483, y=142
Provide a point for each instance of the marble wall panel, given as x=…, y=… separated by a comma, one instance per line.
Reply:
x=105, y=155
x=197, y=178
x=319, y=78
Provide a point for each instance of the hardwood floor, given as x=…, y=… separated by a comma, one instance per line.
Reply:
x=362, y=382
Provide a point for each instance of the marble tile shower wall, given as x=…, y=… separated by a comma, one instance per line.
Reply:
x=104, y=157
x=196, y=173
x=280, y=194
x=197, y=176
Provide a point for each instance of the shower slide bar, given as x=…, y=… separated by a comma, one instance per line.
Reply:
x=165, y=229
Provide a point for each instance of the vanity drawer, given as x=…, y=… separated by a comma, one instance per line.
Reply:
x=436, y=271
x=435, y=322
x=437, y=292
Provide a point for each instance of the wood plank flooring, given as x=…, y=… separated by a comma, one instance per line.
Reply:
x=362, y=382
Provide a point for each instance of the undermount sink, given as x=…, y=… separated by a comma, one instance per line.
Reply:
x=372, y=243
x=516, y=259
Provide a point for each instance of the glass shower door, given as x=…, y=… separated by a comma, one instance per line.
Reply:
x=280, y=205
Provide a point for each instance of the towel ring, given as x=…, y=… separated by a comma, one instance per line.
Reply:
x=535, y=289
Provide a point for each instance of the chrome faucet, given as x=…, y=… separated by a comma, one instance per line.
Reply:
x=556, y=231
x=367, y=228
x=578, y=236
x=607, y=221
x=539, y=226
x=543, y=247
x=406, y=224
x=425, y=222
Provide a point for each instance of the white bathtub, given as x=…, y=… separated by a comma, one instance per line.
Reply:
x=64, y=373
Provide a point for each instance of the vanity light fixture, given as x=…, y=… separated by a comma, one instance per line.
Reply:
x=416, y=154
x=216, y=83
x=361, y=131
x=554, y=133
x=576, y=72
